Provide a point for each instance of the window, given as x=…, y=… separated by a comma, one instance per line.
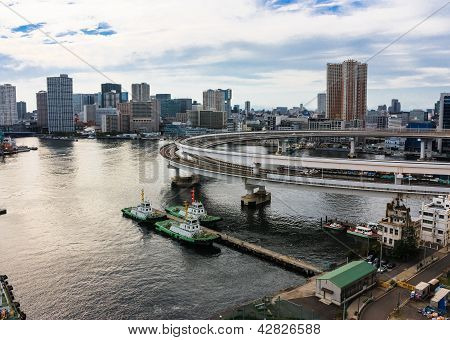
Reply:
x=385, y=240
x=390, y=241
x=428, y=214
x=427, y=222
x=396, y=232
x=428, y=230
x=385, y=230
x=440, y=232
x=442, y=217
x=391, y=231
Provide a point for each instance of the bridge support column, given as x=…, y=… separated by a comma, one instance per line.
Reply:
x=282, y=147
x=429, y=153
x=352, y=153
x=255, y=198
x=256, y=169
x=422, y=150
x=398, y=179
x=439, y=145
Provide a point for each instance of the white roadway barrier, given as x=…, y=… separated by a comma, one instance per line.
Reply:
x=250, y=159
x=318, y=183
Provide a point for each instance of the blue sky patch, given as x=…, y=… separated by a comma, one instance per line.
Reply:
x=65, y=34
x=27, y=28
x=103, y=28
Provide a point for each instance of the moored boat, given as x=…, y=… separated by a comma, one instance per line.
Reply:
x=188, y=230
x=196, y=209
x=363, y=231
x=144, y=212
x=334, y=226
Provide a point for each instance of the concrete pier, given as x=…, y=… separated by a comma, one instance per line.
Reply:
x=252, y=198
x=284, y=261
x=352, y=153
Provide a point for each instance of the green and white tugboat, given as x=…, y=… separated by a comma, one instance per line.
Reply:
x=196, y=209
x=144, y=212
x=188, y=230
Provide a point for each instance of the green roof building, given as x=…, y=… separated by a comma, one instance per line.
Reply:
x=345, y=283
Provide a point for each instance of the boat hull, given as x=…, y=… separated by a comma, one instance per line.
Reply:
x=204, y=241
x=204, y=220
x=350, y=232
x=157, y=216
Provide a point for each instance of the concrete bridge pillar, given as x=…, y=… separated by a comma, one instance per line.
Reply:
x=255, y=198
x=429, y=153
x=398, y=179
x=282, y=146
x=422, y=149
x=256, y=169
x=352, y=153
x=439, y=145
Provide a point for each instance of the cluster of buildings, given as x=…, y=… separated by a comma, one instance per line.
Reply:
x=344, y=105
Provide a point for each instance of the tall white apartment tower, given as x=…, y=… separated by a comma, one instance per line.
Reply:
x=8, y=106
x=60, y=104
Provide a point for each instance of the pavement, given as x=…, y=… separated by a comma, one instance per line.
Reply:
x=383, y=306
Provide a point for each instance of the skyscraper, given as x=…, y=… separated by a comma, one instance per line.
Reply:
x=80, y=100
x=218, y=100
x=140, y=92
x=346, y=91
x=247, y=106
x=395, y=107
x=8, y=106
x=444, y=120
x=321, y=103
x=42, y=109
x=60, y=104
x=111, y=94
x=21, y=110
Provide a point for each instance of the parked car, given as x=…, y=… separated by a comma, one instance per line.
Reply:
x=381, y=269
x=391, y=265
x=384, y=262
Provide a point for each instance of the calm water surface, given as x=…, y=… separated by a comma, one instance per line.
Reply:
x=71, y=255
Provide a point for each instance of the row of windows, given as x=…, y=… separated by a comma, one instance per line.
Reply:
x=385, y=240
x=391, y=231
x=441, y=217
x=430, y=230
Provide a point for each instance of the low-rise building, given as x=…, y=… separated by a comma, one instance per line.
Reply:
x=345, y=283
x=398, y=224
x=435, y=222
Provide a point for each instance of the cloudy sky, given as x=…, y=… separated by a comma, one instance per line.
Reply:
x=271, y=52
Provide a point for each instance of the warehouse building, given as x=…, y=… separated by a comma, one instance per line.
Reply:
x=345, y=283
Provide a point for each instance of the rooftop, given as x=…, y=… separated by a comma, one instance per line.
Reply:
x=349, y=273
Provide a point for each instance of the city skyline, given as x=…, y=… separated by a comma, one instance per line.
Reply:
x=285, y=66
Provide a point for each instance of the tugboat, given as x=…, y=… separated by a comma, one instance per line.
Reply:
x=195, y=209
x=144, y=212
x=363, y=231
x=188, y=230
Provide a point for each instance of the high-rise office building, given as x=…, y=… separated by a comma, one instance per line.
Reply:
x=395, y=107
x=60, y=104
x=80, y=100
x=444, y=120
x=346, y=91
x=42, y=109
x=217, y=100
x=21, y=111
x=8, y=106
x=111, y=94
x=321, y=103
x=140, y=92
x=163, y=96
x=247, y=106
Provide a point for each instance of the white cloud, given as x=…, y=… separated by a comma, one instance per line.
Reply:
x=150, y=33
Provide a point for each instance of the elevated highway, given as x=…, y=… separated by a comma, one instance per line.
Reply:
x=259, y=176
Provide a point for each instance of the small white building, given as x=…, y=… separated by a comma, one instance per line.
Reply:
x=435, y=222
